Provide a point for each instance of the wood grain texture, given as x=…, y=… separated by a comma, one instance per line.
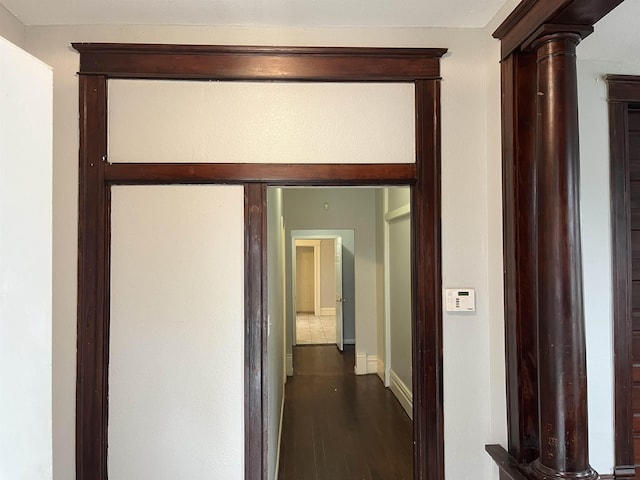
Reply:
x=275, y=174
x=520, y=253
x=562, y=384
x=510, y=468
x=623, y=90
x=341, y=426
x=428, y=407
x=259, y=63
x=255, y=355
x=531, y=15
x=522, y=28
x=93, y=284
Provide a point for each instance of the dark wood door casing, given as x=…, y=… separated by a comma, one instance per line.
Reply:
x=101, y=62
x=624, y=104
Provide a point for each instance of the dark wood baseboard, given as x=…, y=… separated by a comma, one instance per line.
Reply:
x=622, y=472
x=510, y=469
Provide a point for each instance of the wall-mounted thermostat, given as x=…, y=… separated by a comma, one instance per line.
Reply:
x=460, y=299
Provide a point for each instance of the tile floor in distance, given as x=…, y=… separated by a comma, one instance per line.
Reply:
x=314, y=330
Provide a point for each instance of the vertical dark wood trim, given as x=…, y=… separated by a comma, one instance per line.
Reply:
x=427, y=277
x=520, y=253
x=255, y=364
x=562, y=363
x=93, y=284
x=621, y=278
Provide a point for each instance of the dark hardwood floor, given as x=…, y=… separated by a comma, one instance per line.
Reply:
x=339, y=426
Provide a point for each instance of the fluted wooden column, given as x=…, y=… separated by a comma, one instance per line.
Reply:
x=562, y=377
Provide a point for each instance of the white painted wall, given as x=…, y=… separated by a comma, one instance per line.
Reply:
x=493, y=241
x=26, y=91
x=469, y=246
x=466, y=261
x=327, y=274
x=11, y=28
x=176, y=384
x=249, y=122
x=380, y=293
x=276, y=352
x=399, y=297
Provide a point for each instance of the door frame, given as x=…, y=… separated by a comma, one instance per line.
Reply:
x=623, y=94
x=296, y=236
x=308, y=242
x=100, y=62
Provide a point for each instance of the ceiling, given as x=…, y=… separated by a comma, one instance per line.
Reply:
x=281, y=13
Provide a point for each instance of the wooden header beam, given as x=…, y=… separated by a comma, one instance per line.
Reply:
x=531, y=15
x=193, y=62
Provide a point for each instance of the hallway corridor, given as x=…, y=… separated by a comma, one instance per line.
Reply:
x=339, y=426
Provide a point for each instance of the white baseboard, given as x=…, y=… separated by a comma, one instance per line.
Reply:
x=279, y=436
x=366, y=364
x=380, y=370
x=372, y=364
x=361, y=363
x=402, y=393
x=289, y=364
x=328, y=311
x=349, y=341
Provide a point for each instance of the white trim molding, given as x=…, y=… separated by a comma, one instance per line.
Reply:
x=366, y=364
x=289, y=364
x=381, y=369
x=398, y=213
x=331, y=311
x=277, y=470
x=402, y=393
x=372, y=364
x=361, y=363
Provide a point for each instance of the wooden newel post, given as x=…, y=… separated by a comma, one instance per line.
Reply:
x=562, y=376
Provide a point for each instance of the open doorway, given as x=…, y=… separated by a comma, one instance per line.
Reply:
x=339, y=400
x=332, y=320
x=317, y=291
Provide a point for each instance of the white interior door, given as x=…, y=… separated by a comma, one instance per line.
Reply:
x=339, y=298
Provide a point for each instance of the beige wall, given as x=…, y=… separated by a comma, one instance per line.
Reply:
x=258, y=122
x=327, y=274
x=471, y=248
